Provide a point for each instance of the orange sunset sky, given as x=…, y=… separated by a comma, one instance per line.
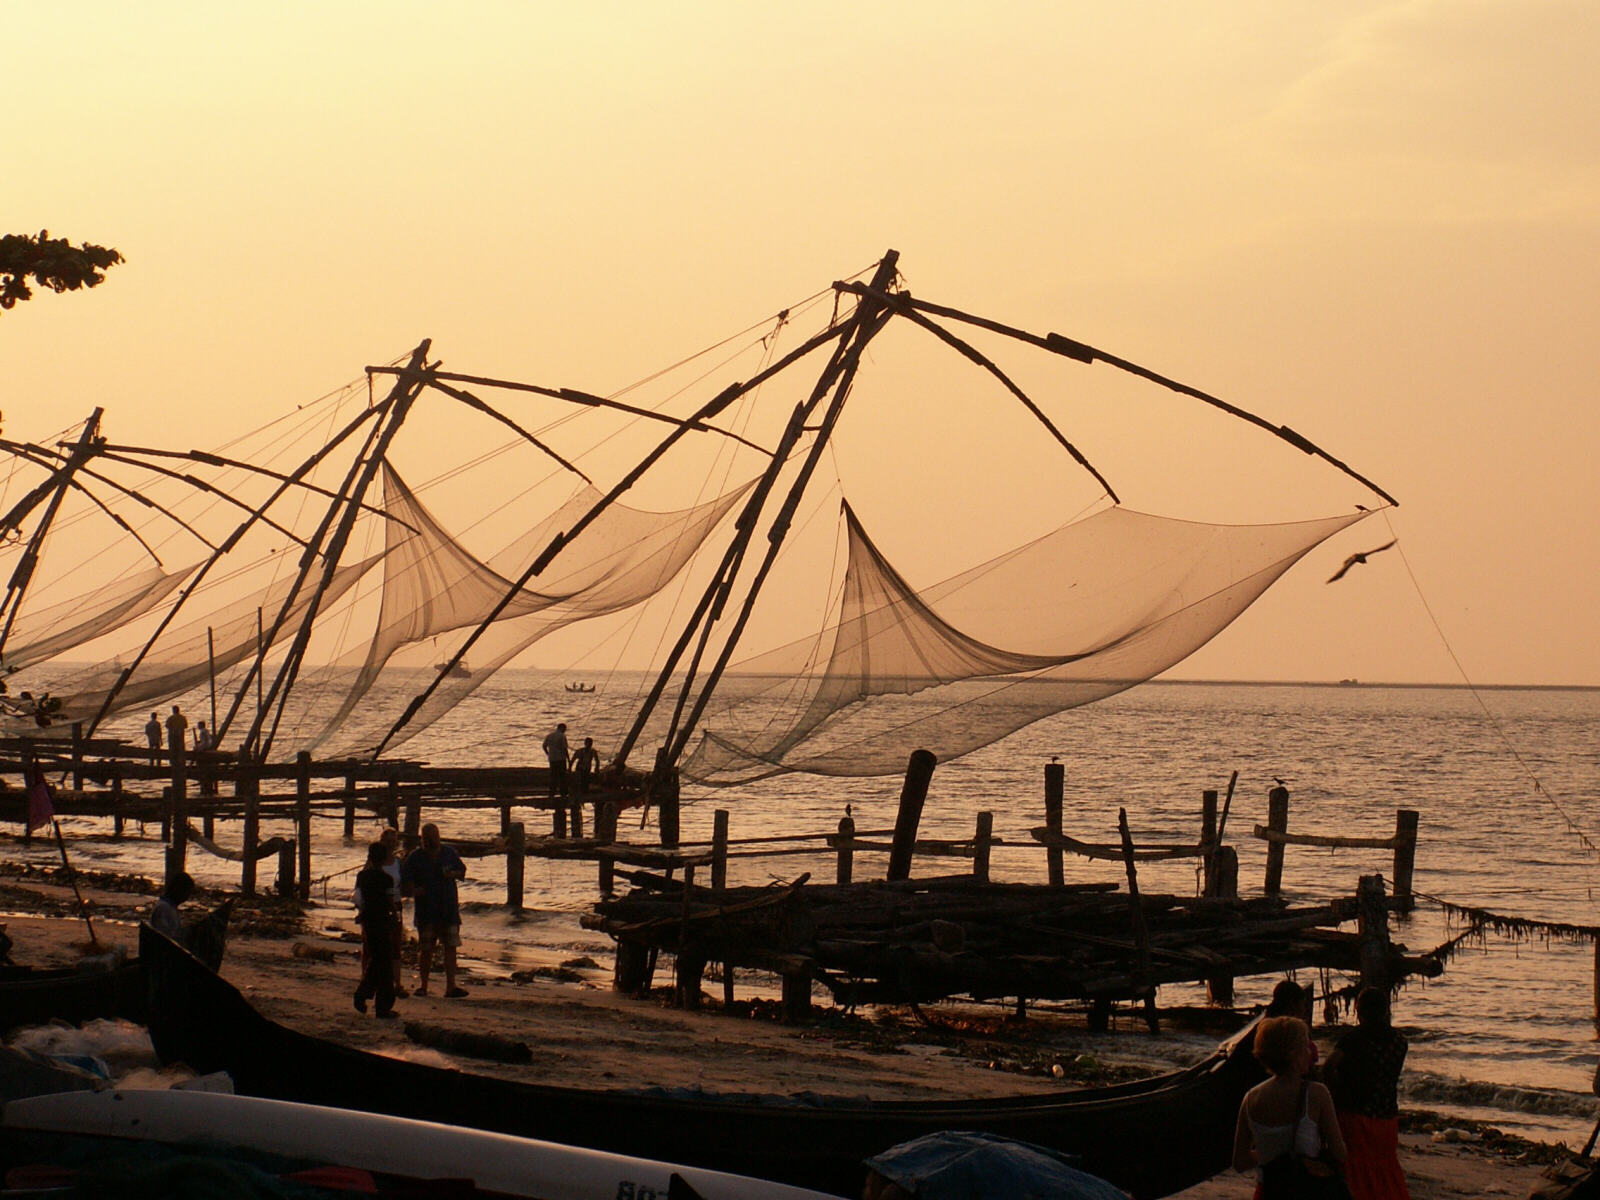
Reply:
x=1376, y=222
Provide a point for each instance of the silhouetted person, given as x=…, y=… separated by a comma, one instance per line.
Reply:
x=164, y=916
x=375, y=911
x=555, y=752
x=431, y=873
x=177, y=732
x=152, y=737
x=1364, y=1074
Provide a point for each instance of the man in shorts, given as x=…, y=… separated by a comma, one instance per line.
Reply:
x=430, y=876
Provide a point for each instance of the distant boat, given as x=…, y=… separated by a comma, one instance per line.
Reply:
x=1349, y=683
x=580, y=687
x=459, y=671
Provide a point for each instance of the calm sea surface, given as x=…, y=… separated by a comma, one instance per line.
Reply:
x=1507, y=1034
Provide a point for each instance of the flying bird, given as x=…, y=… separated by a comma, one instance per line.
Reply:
x=1357, y=558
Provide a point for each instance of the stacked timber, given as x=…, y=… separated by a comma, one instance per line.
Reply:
x=923, y=940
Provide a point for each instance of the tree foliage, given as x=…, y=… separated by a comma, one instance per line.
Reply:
x=50, y=262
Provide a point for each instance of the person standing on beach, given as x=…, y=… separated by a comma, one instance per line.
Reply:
x=555, y=751
x=389, y=839
x=431, y=873
x=1364, y=1074
x=1288, y=1117
x=152, y=736
x=375, y=911
x=177, y=727
x=164, y=916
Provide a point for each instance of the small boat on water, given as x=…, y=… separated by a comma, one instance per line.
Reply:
x=76, y=995
x=458, y=670
x=199, y=1019
x=580, y=687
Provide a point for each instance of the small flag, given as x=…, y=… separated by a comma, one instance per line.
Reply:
x=40, y=803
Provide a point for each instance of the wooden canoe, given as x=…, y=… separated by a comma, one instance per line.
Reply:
x=1152, y=1137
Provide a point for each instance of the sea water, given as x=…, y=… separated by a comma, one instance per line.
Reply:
x=1507, y=782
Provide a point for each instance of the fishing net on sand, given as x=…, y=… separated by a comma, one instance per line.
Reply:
x=1082, y=613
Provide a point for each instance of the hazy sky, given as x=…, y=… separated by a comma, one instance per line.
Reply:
x=1378, y=223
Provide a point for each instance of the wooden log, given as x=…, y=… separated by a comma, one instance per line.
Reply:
x=719, y=849
x=1277, y=822
x=1055, y=776
x=116, y=800
x=516, y=863
x=1406, y=821
x=302, y=821
x=1141, y=931
x=797, y=993
x=913, y=793
x=845, y=863
x=248, y=788
x=349, y=806
x=980, y=846
x=1374, y=932
x=1208, y=835
x=177, y=816
x=629, y=971
x=1327, y=841
x=77, y=756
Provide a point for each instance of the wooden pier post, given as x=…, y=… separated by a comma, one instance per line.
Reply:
x=630, y=971
x=391, y=810
x=1374, y=932
x=558, y=819
x=664, y=791
x=845, y=848
x=285, y=885
x=1141, y=931
x=247, y=786
x=914, y=792
x=575, y=824
x=1055, y=787
x=117, y=799
x=349, y=805
x=982, y=839
x=1277, y=822
x=411, y=838
x=505, y=820
x=1406, y=821
x=77, y=756
x=719, y=850
x=1208, y=836
x=302, y=820
x=27, y=784
x=1223, y=883
x=516, y=861
x=605, y=832
x=177, y=816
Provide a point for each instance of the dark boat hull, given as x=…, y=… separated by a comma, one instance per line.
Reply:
x=38, y=997
x=1153, y=1137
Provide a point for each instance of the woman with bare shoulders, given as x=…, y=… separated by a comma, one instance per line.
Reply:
x=1287, y=1118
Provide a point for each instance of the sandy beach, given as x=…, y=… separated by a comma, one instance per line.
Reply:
x=584, y=1034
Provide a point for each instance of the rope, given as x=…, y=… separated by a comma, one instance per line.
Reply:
x=1539, y=789
x=1511, y=925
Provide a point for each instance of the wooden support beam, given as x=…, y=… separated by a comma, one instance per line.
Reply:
x=302, y=822
x=913, y=793
x=1055, y=776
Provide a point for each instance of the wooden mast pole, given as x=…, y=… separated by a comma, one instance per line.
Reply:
x=232, y=540
x=406, y=389
x=20, y=578
x=870, y=317
x=691, y=423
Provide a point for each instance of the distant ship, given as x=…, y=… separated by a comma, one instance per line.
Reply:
x=580, y=687
x=459, y=671
x=1349, y=683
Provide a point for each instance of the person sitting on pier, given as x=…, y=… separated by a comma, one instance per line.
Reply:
x=1287, y=1124
x=1364, y=1074
x=152, y=736
x=375, y=908
x=431, y=873
x=164, y=917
